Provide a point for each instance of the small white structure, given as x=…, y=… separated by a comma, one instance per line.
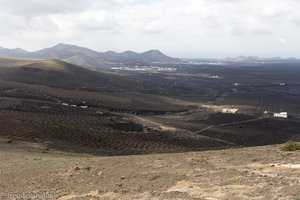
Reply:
x=230, y=110
x=236, y=84
x=281, y=115
x=84, y=107
x=282, y=84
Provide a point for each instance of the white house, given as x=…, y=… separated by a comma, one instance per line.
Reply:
x=230, y=110
x=281, y=115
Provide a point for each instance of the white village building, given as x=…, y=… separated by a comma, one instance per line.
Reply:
x=230, y=110
x=281, y=115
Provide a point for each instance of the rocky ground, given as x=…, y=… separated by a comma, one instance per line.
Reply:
x=242, y=173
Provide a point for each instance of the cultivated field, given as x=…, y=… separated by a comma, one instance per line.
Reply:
x=67, y=107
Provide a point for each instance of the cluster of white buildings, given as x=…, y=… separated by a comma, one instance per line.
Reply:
x=144, y=68
x=203, y=63
x=73, y=105
x=281, y=115
x=277, y=115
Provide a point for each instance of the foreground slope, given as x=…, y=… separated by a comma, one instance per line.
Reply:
x=249, y=173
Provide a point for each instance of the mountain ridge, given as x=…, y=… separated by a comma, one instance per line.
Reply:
x=89, y=58
x=258, y=59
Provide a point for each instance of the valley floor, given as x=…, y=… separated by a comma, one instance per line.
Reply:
x=241, y=173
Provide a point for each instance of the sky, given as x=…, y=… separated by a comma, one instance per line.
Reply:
x=179, y=28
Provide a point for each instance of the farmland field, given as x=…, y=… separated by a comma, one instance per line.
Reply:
x=116, y=112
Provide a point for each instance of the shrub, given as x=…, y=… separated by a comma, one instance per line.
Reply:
x=9, y=141
x=291, y=146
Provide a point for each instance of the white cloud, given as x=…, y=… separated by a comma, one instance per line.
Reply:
x=282, y=40
x=95, y=20
x=190, y=27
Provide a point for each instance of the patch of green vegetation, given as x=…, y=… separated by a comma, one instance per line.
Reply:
x=291, y=146
x=297, y=198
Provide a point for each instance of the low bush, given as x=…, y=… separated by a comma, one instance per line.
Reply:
x=9, y=141
x=291, y=146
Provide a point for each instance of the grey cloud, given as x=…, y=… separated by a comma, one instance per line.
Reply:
x=41, y=7
x=190, y=25
x=11, y=24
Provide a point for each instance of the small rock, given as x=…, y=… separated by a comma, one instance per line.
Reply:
x=77, y=168
x=122, y=177
x=124, y=191
x=88, y=168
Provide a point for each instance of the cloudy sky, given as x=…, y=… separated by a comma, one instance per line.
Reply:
x=181, y=28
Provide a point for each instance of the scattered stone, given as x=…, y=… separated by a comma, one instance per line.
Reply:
x=99, y=112
x=88, y=168
x=124, y=191
x=77, y=168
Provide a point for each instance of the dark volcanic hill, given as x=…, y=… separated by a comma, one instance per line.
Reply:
x=59, y=81
x=155, y=55
x=89, y=58
x=57, y=73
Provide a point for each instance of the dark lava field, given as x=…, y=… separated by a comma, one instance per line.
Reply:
x=119, y=112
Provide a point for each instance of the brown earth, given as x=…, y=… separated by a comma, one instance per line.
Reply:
x=242, y=173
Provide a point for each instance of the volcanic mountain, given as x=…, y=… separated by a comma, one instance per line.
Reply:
x=90, y=58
